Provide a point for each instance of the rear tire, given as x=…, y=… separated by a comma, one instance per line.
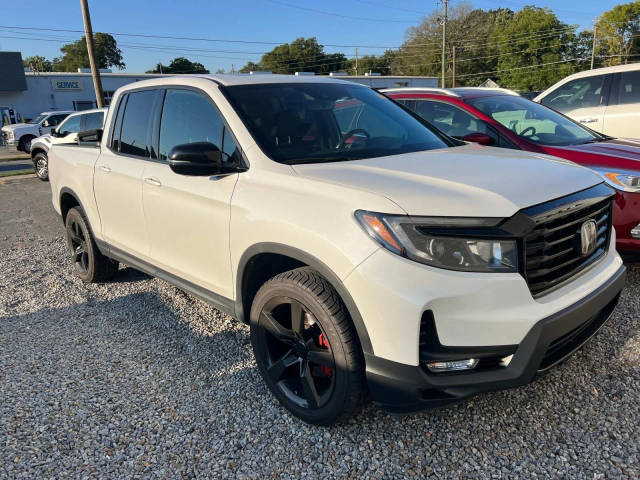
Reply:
x=41, y=166
x=91, y=266
x=306, y=347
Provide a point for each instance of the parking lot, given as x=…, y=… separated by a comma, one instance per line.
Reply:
x=134, y=378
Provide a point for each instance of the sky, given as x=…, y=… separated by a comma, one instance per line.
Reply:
x=343, y=23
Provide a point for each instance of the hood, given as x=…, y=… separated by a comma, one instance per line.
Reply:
x=470, y=181
x=18, y=126
x=618, y=148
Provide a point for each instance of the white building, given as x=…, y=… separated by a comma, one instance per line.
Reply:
x=63, y=91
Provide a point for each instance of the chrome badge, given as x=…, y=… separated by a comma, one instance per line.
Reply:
x=588, y=237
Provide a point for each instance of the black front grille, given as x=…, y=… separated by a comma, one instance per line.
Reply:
x=552, y=249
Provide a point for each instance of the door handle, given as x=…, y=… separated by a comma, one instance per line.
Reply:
x=105, y=168
x=588, y=120
x=153, y=181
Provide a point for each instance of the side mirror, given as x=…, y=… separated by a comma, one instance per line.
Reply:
x=90, y=136
x=198, y=158
x=53, y=133
x=477, y=137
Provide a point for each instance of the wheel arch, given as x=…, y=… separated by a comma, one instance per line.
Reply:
x=265, y=260
x=35, y=151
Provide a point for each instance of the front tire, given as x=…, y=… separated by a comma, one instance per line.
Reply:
x=90, y=265
x=41, y=166
x=24, y=144
x=306, y=347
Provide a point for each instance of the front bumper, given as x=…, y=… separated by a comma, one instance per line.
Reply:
x=626, y=216
x=399, y=387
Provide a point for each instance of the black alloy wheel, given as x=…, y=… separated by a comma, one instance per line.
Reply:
x=299, y=357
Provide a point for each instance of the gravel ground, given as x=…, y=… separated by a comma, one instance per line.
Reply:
x=134, y=378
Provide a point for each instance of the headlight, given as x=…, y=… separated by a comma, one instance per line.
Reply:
x=620, y=179
x=413, y=238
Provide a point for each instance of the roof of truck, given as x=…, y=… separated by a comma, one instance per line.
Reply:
x=262, y=78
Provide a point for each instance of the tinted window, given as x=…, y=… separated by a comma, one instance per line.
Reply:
x=580, y=93
x=629, y=90
x=135, y=135
x=117, y=126
x=56, y=119
x=71, y=125
x=318, y=122
x=449, y=119
x=188, y=117
x=230, y=149
x=533, y=121
x=93, y=121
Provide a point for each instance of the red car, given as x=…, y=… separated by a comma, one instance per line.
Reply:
x=502, y=118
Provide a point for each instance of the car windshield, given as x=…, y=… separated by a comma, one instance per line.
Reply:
x=533, y=121
x=38, y=119
x=323, y=122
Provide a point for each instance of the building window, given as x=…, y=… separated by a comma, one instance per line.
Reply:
x=108, y=95
x=79, y=105
x=401, y=84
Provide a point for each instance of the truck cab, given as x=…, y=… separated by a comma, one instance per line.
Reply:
x=21, y=135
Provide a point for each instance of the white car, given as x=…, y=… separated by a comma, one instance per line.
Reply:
x=20, y=135
x=604, y=99
x=66, y=132
x=371, y=255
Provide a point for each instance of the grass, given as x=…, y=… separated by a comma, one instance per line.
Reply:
x=11, y=173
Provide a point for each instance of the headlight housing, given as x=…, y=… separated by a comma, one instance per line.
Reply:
x=435, y=241
x=627, y=181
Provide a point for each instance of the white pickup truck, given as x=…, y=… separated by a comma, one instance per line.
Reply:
x=372, y=256
x=20, y=135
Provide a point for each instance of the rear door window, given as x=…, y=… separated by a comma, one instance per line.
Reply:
x=580, y=93
x=629, y=88
x=135, y=137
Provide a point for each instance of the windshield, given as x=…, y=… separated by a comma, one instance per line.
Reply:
x=321, y=122
x=38, y=119
x=533, y=121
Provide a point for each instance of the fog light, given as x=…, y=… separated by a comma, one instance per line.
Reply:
x=635, y=231
x=453, y=365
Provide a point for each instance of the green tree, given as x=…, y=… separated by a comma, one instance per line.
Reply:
x=180, y=65
x=618, y=34
x=536, y=50
x=250, y=67
x=372, y=63
x=74, y=55
x=301, y=55
x=468, y=30
x=38, y=63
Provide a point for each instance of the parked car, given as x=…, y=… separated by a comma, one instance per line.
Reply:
x=369, y=253
x=20, y=135
x=501, y=118
x=66, y=132
x=604, y=99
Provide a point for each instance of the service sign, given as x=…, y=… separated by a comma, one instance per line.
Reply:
x=67, y=84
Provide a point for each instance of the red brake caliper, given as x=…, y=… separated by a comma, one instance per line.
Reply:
x=324, y=343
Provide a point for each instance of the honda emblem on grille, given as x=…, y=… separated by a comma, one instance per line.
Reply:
x=588, y=237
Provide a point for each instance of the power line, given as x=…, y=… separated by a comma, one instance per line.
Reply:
x=333, y=14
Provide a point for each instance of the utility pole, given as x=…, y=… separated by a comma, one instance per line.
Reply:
x=445, y=4
x=356, y=61
x=88, y=34
x=593, y=47
x=453, y=68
